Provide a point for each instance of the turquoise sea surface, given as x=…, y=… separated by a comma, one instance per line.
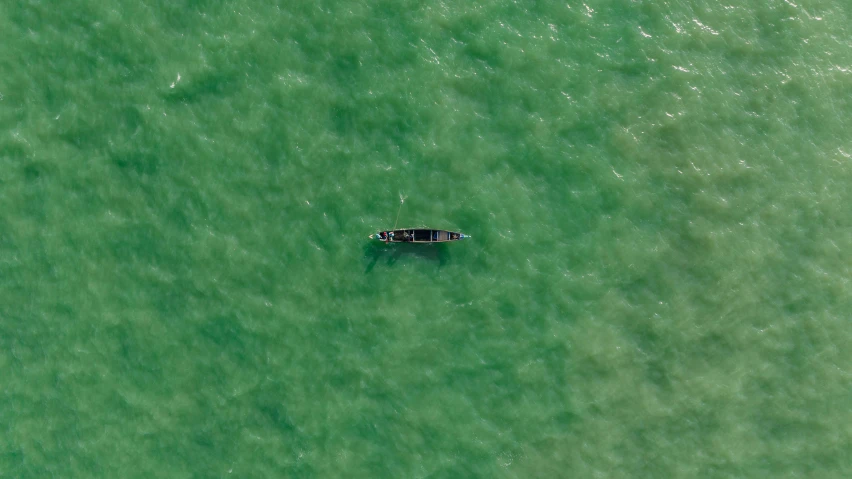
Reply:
x=658, y=283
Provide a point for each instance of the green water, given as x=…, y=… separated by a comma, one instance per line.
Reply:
x=658, y=283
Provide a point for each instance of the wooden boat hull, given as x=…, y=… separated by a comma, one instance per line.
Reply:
x=419, y=235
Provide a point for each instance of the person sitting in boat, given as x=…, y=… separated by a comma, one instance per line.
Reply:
x=383, y=235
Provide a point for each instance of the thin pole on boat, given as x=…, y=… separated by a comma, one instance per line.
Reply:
x=401, y=201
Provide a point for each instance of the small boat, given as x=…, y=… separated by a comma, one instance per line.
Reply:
x=418, y=235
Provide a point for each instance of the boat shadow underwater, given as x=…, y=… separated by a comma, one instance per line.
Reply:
x=374, y=252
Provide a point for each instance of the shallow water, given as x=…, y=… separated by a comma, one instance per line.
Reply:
x=657, y=283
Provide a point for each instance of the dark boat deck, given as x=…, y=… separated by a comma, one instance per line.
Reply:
x=421, y=235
